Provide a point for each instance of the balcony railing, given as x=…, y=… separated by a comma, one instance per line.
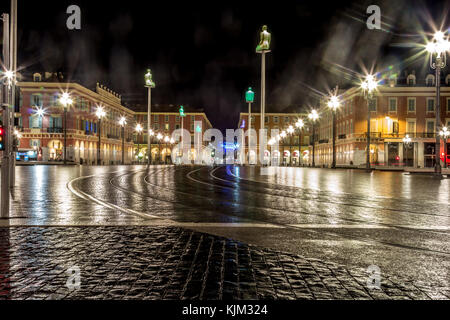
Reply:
x=111, y=136
x=55, y=130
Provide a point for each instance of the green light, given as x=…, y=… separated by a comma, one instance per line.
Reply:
x=249, y=96
x=198, y=129
x=182, y=114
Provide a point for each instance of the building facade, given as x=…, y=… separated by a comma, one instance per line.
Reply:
x=166, y=119
x=397, y=111
x=40, y=121
x=292, y=150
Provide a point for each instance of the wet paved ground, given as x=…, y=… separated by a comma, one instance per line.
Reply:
x=317, y=224
x=173, y=263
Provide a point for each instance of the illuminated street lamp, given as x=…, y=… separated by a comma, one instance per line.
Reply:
x=406, y=143
x=299, y=124
x=313, y=117
x=368, y=86
x=66, y=101
x=290, y=130
x=100, y=113
x=122, y=123
x=438, y=47
x=445, y=133
x=139, y=130
x=334, y=104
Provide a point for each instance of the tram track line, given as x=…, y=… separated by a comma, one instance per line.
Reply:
x=276, y=225
x=267, y=186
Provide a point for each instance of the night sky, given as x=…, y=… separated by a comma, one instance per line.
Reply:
x=202, y=54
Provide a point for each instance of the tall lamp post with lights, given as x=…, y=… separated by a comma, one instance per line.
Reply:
x=100, y=113
x=406, y=143
x=249, y=98
x=159, y=136
x=299, y=125
x=182, y=116
x=150, y=84
x=263, y=48
x=290, y=130
x=313, y=117
x=139, y=130
x=66, y=101
x=122, y=123
x=445, y=133
x=334, y=104
x=438, y=47
x=368, y=87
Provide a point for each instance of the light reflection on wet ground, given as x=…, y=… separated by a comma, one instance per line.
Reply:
x=400, y=222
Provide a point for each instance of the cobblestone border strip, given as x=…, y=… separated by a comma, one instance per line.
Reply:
x=172, y=263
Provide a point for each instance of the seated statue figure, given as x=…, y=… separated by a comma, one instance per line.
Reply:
x=264, y=43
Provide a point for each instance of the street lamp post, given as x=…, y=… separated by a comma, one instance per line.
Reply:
x=439, y=46
x=182, y=116
x=166, y=141
x=282, y=137
x=150, y=84
x=445, y=133
x=139, y=130
x=290, y=130
x=406, y=143
x=151, y=134
x=100, y=113
x=334, y=104
x=65, y=101
x=249, y=98
x=263, y=48
x=368, y=86
x=159, y=137
x=299, y=124
x=122, y=123
x=313, y=116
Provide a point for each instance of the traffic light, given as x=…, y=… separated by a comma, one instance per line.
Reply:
x=2, y=139
x=213, y=153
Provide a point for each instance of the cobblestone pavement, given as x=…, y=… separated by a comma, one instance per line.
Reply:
x=141, y=262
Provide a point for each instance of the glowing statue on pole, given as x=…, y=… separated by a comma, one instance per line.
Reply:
x=264, y=43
